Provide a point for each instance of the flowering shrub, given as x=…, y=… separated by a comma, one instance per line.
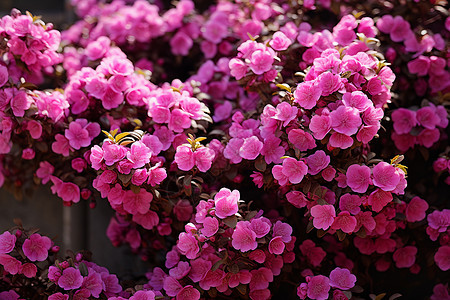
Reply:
x=313, y=113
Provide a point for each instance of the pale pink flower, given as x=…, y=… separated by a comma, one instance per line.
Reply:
x=285, y=113
x=7, y=242
x=36, y=247
x=318, y=287
x=261, y=60
x=243, y=238
x=439, y=220
x=238, y=68
x=280, y=41
x=323, y=216
x=113, y=153
x=203, y=158
x=284, y=230
x=416, y=210
x=271, y=150
x=77, y=135
x=307, y=93
x=61, y=145
x=226, y=203
x=342, y=279
x=358, y=178
x=96, y=157
x=156, y=176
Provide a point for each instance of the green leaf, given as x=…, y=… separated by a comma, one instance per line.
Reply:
x=83, y=269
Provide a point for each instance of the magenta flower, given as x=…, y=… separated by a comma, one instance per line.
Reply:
x=261, y=226
x=342, y=279
x=318, y=287
x=36, y=247
x=7, y=242
x=243, y=238
x=3, y=75
x=70, y=279
x=379, y=199
x=358, y=178
x=405, y=257
x=10, y=264
x=317, y=162
x=294, y=170
x=210, y=226
x=69, y=192
x=301, y=140
x=251, y=148
x=203, y=158
x=261, y=60
x=276, y=245
x=226, y=203
x=137, y=203
x=280, y=41
x=112, y=153
x=35, y=129
x=323, y=216
x=320, y=125
x=61, y=145
x=345, y=222
x=350, y=203
x=285, y=113
x=29, y=270
x=260, y=278
x=404, y=120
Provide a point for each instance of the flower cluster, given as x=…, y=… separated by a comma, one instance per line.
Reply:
x=418, y=127
x=226, y=250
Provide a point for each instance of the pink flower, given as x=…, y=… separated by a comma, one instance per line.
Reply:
x=271, y=150
x=428, y=137
x=439, y=220
x=442, y=258
x=317, y=162
x=345, y=120
x=400, y=29
x=204, y=157
x=251, y=148
x=143, y=295
x=307, y=93
x=419, y=65
x=297, y=198
x=148, y=220
x=261, y=60
x=320, y=125
x=345, y=222
x=113, y=153
x=61, y=145
x=77, y=135
x=184, y=157
x=28, y=153
x=340, y=140
x=294, y=170
x=243, y=238
x=181, y=43
x=284, y=230
x=96, y=157
x=358, y=178
x=69, y=192
x=7, y=242
x=3, y=75
x=280, y=41
x=357, y=100
x=35, y=129
x=260, y=278
x=342, y=279
x=58, y=296
x=238, y=68
x=385, y=176
x=137, y=202
x=210, y=226
x=226, y=203
x=70, y=279
x=350, y=203
x=10, y=264
x=188, y=292
x=78, y=164
x=20, y=103
x=276, y=245
x=156, y=176
x=427, y=117
x=36, y=247
x=329, y=83
x=416, y=210
x=29, y=270
x=314, y=254
x=318, y=287
x=188, y=245
x=179, y=120
x=301, y=140
x=285, y=113
x=261, y=226
x=404, y=120
x=379, y=199
x=323, y=216
x=405, y=257
x=199, y=268
x=139, y=154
